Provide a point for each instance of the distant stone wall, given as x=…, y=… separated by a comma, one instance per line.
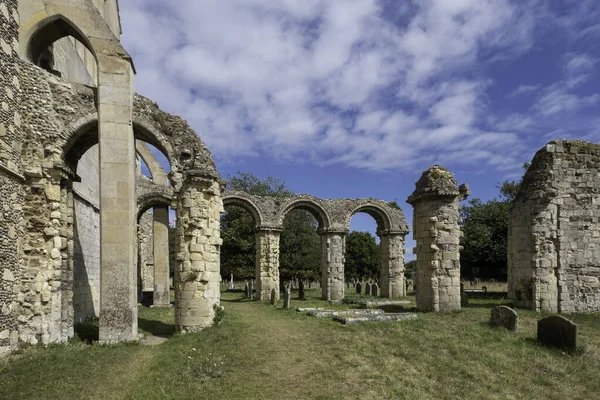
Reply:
x=554, y=231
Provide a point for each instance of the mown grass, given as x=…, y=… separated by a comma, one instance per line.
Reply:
x=259, y=351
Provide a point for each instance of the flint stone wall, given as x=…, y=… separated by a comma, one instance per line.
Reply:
x=11, y=196
x=554, y=231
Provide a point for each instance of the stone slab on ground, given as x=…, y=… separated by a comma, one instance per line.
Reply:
x=557, y=331
x=333, y=313
x=366, y=303
x=504, y=317
x=308, y=309
x=153, y=340
x=397, y=317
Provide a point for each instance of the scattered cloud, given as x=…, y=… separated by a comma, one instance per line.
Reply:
x=370, y=84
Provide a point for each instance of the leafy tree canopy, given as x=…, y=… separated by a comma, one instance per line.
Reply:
x=362, y=256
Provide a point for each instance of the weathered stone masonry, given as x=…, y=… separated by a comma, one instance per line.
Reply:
x=554, y=239
x=333, y=217
x=10, y=176
x=437, y=232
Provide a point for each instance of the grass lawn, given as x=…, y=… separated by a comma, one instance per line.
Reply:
x=262, y=352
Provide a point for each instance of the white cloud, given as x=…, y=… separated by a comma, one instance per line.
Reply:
x=337, y=81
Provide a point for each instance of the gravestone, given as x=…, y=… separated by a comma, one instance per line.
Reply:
x=251, y=289
x=301, y=290
x=484, y=289
x=358, y=287
x=367, y=289
x=374, y=289
x=273, y=297
x=504, y=317
x=557, y=331
x=462, y=287
x=246, y=289
x=464, y=300
x=287, y=298
x=476, y=281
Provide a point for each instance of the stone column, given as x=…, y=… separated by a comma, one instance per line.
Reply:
x=197, y=269
x=392, y=265
x=267, y=262
x=436, y=230
x=118, y=213
x=333, y=248
x=161, y=257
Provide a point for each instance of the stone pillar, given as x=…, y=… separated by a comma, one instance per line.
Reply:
x=267, y=262
x=146, y=257
x=11, y=197
x=198, y=242
x=162, y=296
x=392, y=265
x=333, y=248
x=436, y=230
x=118, y=213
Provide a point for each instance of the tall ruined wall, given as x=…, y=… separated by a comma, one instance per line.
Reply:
x=554, y=239
x=11, y=199
x=146, y=252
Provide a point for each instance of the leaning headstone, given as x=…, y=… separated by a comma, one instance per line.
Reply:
x=273, y=297
x=504, y=317
x=358, y=287
x=374, y=289
x=301, y=290
x=557, y=331
x=367, y=289
x=287, y=298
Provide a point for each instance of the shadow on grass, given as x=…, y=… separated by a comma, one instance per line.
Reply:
x=493, y=297
x=87, y=331
x=240, y=300
x=156, y=328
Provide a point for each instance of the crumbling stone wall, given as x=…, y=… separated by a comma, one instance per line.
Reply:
x=146, y=252
x=554, y=240
x=10, y=177
x=437, y=232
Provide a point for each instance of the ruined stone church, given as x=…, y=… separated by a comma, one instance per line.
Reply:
x=83, y=233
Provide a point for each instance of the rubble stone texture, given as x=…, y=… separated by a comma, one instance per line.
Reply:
x=54, y=230
x=553, y=240
x=11, y=179
x=437, y=233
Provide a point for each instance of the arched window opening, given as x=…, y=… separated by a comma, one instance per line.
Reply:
x=60, y=48
x=238, y=251
x=363, y=253
x=300, y=250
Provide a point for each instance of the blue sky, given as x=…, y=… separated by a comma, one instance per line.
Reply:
x=355, y=98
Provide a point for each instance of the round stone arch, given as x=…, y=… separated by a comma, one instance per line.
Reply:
x=379, y=214
x=151, y=200
x=246, y=204
x=83, y=134
x=309, y=204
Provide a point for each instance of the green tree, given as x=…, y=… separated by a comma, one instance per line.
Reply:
x=299, y=241
x=362, y=256
x=485, y=231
